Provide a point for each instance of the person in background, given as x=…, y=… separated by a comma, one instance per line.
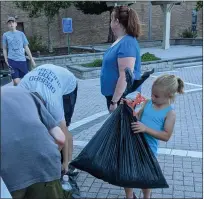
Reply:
x=124, y=52
x=30, y=146
x=15, y=44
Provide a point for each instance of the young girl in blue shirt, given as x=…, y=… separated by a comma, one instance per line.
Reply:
x=156, y=118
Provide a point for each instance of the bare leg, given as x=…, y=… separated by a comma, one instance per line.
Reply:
x=146, y=193
x=129, y=192
x=70, y=146
x=16, y=81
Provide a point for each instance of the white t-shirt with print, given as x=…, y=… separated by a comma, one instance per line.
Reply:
x=51, y=82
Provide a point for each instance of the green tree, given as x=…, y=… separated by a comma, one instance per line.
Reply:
x=199, y=5
x=49, y=8
x=97, y=8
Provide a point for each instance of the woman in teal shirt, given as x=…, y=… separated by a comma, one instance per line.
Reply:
x=124, y=52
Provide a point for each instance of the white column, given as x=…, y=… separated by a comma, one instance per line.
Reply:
x=166, y=8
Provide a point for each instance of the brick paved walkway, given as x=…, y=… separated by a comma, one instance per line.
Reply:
x=183, y=174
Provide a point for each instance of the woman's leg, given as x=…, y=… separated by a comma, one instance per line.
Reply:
x=146, y=193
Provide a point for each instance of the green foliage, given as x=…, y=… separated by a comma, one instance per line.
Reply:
x=95, y=63
x=35, y=44
x=149, y=57
x=199, y=5
x=49, y=8
x=92, y=7
x=145, y=57
x=188, y=33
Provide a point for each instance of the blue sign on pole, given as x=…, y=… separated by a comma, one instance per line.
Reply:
x=67, y=25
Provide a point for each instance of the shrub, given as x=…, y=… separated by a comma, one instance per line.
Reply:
x=188, y=33
x=35, y=44
x=145, y=57
x=149, y=57
x=95, y=63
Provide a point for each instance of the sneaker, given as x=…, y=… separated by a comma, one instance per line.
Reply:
x=73, y=171
x=134, y=196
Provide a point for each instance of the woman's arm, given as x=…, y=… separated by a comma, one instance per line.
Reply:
x=164, y=135
x=121, y=83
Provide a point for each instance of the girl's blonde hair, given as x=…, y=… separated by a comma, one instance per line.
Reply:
x=171, y=85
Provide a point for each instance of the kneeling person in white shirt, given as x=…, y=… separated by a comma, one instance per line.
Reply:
x=57, y=88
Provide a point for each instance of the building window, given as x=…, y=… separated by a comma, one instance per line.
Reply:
x=20, y=26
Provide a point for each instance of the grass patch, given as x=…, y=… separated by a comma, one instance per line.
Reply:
x=149, y=57
x=145, y=57
x=95, y=63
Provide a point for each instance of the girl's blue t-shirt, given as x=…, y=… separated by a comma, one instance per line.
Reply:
x=154, y=119
x=127, y=47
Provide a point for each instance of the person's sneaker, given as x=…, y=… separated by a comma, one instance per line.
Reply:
x=134, y=196
x=73, y=171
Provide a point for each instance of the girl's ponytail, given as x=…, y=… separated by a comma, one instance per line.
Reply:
x=180, y=89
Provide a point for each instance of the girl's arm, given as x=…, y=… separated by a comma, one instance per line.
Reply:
x=164, y=135
x=139, y=113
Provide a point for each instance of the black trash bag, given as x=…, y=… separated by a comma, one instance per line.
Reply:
x=118, y=156
x=132, y=84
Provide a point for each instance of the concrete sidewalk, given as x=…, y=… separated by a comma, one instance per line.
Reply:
x=177, y=51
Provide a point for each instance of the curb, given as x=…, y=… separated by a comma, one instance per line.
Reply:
x=159, y=66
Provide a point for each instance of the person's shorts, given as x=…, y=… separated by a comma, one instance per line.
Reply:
x=108, y=101
x=45, y=190
x=69, y=102
x=20, y=68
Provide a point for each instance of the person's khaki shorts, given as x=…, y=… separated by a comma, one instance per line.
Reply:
x=42, y=190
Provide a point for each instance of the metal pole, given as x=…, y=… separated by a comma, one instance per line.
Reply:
x=68, y=45
x=150, y=21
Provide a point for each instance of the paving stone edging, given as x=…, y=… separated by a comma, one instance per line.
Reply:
x=65, y=60
x=73, y=63
x=159, y=66
x=89, y=73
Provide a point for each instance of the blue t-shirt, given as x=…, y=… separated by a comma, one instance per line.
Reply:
x=154, y=119
x=15, y=42
x=126, y=47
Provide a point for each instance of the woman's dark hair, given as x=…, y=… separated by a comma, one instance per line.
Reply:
x=129, y=19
